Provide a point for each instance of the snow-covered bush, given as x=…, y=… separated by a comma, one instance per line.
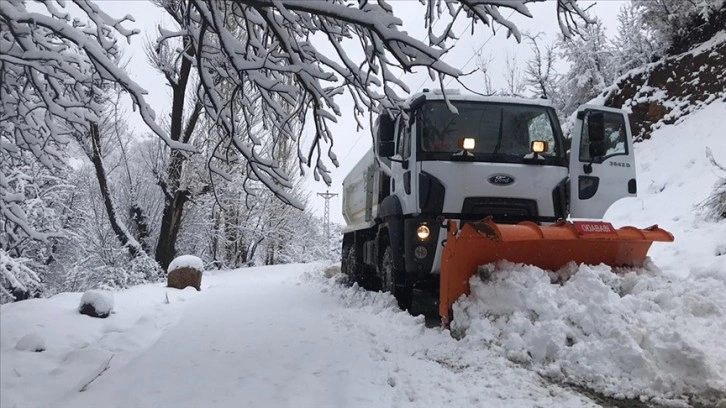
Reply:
x=715, y=205
x=17, y=280
x=31, y=342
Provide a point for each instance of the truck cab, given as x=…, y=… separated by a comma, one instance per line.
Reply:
x=464, y=158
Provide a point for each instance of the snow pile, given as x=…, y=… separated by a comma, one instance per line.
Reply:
x=101, y=301
x=628, y=336
x=31, y=342
x=186, y=261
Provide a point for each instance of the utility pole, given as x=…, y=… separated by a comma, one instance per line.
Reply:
x=326, y=217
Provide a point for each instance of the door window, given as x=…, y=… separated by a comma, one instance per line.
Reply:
x=613, y=143
x=404, y=139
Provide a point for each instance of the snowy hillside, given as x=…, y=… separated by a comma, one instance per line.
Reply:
x=288, y=336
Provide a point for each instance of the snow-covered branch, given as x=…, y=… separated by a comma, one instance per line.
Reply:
x=261, y=53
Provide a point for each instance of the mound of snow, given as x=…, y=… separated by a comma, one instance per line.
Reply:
x=31, y=342
x=633, y=335
x=186, y=261
x=101, y=301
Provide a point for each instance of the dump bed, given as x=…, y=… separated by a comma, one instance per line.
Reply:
x=360, y=193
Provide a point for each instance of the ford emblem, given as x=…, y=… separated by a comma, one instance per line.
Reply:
x=501, y=180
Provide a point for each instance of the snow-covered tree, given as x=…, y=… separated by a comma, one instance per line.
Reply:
x=590, y=58
x=255, y=63
x=262, y=46
x=677, y=24
x=633, y=46
x=173, y=57
x=539, y=72
x=261, y=50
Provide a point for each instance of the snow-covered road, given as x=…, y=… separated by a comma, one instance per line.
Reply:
x=273, y=337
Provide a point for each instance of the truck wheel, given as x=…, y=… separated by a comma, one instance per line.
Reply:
x=348, y=266
x=358, y=272
x=402, y=291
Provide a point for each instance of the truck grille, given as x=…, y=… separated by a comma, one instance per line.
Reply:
x=502, y=210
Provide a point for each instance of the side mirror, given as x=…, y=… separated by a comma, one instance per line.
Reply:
x=386, y=127
x=597, y=149
x=596, y=134
x=596, y=127
x=386, y=148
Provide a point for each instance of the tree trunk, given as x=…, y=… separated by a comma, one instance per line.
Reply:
x=170, y=225
x=176, y=197
x=121, y=232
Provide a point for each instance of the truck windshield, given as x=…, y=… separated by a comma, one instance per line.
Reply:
x=503, y=131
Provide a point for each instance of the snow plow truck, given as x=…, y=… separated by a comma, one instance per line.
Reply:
x=456, y=181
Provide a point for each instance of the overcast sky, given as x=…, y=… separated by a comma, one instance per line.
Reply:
x=350, y=145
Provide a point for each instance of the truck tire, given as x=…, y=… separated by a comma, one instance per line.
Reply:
x=358, y=272
x=393, y=282
x=348, y=264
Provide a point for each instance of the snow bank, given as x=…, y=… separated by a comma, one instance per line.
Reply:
x=77, y=345
x=101, y=301
x=186, y=261
x=635, y=335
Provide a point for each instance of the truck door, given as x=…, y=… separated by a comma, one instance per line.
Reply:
x=602, y=164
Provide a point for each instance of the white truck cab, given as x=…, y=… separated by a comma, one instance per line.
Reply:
x=468, y=157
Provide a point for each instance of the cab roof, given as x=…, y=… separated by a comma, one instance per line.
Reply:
x=454, y=95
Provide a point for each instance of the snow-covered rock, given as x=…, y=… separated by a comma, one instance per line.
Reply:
x=96, y=303
x=185, y=271
x=31, y=342
x=186, y=261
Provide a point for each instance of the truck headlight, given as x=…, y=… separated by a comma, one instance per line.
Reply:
x=423, y=232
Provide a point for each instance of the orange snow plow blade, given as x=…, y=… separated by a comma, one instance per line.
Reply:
x=550, y=247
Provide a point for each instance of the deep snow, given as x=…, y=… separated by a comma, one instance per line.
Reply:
x=287, y=336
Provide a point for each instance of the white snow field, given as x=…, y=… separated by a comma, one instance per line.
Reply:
x=286, y=336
